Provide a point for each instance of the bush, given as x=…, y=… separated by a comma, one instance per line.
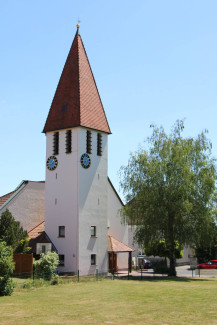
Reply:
x=46, y=265
x=22, y=246
x=160, y=267
x=38, y=283
x=6, y=286
x=55, y=280
x=6, y=260
x=27, y=284
x=6, y=269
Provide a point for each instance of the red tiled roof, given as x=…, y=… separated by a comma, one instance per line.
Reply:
x=6, y=197
x=38, y=235
x=115, y=245
x=36, y=231
x=77, y=101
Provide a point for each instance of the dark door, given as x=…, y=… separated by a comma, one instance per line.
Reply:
x=112, y=262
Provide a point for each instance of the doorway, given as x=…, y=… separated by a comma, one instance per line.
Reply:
x=112, y=262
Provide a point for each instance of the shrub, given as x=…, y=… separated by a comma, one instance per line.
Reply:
x=6, y=269
x=22, y=246
x=27, y=284
x=38, y=283
x=160, y=267
x=46, y=265
x=55, y=280
x=6, y=260
x=6, y=286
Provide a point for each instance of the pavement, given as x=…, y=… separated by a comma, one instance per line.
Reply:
x=185, y=271
x=182, y=271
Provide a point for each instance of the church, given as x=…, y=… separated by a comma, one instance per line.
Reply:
x=75, y=212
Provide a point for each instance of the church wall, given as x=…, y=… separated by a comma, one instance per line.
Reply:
x=27, y=206
x=115, y=227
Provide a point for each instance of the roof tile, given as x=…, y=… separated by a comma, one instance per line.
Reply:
x=77, y=91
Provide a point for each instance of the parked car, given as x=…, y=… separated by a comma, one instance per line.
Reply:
x=208, y=265
x=145, y=264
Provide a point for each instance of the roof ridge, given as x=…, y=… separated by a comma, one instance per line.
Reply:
x=79, y=84
x=14, y=193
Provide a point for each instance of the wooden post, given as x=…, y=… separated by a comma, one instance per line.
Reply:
x=130, y=262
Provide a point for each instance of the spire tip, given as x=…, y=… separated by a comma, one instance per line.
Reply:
x=78, y=25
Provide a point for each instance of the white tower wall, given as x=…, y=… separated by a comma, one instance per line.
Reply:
x=77, y=199
x=61, y=201
x=93, y=199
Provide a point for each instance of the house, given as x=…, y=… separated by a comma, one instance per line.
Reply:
x=26, y=203
x=77, y=201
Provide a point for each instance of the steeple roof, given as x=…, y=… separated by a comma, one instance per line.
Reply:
x=77, y=101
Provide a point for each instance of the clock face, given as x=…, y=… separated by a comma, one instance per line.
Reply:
x=85, y=160
x=52, y=163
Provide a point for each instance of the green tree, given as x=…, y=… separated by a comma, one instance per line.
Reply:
x=170, y=189
x=10, y=230
x=6, y=269
x=206, y=246
x=22, y=246
x=159, y=248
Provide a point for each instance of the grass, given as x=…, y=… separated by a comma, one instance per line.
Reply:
x=153, y=301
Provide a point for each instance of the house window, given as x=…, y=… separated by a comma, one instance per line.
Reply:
x=99, y=144
x=93, y=259
x=89, y=142
x=61, y=231
x=61, y=260
x=56, y=143
x=68, y=141
x=93, y=231
x=43, y=249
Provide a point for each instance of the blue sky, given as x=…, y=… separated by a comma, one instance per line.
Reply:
x=153, y=62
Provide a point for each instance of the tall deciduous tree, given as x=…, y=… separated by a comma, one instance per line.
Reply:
x=170, y=189
x=10, y=230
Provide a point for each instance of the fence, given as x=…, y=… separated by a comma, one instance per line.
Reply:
x=23, y=264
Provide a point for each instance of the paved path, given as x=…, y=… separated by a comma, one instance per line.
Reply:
x=182, y=271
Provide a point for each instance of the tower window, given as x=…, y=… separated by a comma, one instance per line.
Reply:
x=99, y=144
x=89, y=142
x=56, y=143
x=93, y=259
x=68, y=141
x=61, y=231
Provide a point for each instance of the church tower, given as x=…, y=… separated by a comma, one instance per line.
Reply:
x=76, y=199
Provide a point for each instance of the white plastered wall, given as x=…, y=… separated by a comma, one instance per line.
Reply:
x=116, y=228
x=93, y=199
x=61, y=201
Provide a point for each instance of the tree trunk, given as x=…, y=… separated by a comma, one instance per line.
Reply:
x=172, y=269
x=172, y=258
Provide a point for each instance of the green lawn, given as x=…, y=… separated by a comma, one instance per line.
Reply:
x=152, y=301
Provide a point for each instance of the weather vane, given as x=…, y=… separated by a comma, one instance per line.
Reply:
x=78, y=24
